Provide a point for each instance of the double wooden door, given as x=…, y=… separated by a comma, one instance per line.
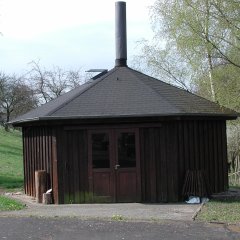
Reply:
x=114, y=167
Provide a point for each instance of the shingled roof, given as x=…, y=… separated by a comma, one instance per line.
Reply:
x=124, y=92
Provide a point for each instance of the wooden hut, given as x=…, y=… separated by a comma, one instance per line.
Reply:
x=125, y=137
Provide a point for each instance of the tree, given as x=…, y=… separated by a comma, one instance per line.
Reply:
x=16, y=97
x=197, y=45
x=199, y=35
x=49, y=84
x=164, y=64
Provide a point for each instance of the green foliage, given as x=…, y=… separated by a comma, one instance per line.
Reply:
x=196, y=43
x=235, y=187
x=164, y=63
x=234, y=153
x=7, y=204
x=227, y=211
x=11, y=165
x=118, y=217
x=199, y=27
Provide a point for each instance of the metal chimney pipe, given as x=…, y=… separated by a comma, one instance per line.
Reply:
x=120, y=34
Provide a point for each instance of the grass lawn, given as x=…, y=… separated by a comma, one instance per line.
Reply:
x=11, y=164
x=227, y=211
x=7, y=204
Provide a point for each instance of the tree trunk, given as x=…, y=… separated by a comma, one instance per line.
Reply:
x=209, y=55
x=6, y=127
x=213, y=93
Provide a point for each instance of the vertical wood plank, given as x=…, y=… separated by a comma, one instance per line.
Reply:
x=84, y=171
x=201, y=145
x=152, y=170
x=206, y=150
x=172, y=163
x=157, y=147
x=163, y=164
x=211, y=156
x=147, y=165
x=196, y=136
x=215, y=156
x=186, y=146
x=76, y=166
x=55, y=175
x=224, y=154
x=219, y=157
x=32, y=166
x=181, y=159
x=142, y=162
x=82, y=167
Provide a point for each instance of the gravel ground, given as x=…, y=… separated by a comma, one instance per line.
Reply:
x=109, y=221
x=126, y=211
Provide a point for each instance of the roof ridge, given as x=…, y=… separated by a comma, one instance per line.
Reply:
x=179, y=88
x=139, y=79
x=81, y=92
x=156, y=79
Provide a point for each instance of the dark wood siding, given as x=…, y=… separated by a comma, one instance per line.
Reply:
x=73, y=166
x=37, y=151
x=159, y=163
x=171, y=149
x=204, y=148
x=167, y=150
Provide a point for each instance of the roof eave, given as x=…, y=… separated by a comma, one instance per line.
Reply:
x=53, y=118
x=24, y=120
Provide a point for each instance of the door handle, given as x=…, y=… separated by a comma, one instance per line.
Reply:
x=117, y=166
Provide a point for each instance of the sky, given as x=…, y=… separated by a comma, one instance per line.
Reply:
x=71, y=34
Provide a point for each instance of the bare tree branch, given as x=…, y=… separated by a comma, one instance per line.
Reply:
x=50, y=84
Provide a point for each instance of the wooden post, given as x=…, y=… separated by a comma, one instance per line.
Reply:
x=40, y=184
x=47, y=198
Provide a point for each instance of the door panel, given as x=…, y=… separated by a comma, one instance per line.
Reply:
x=102, y=186
x=126, y=186
x=99, y=170
x=126, y=173
x=114, y=165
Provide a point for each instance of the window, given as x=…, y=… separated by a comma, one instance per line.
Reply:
x=126, y=150
x=100, y=150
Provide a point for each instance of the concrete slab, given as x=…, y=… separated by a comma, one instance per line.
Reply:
x=116, y=211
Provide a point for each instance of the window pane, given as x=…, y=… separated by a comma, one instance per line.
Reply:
x=100, y=150
x=126, y=150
